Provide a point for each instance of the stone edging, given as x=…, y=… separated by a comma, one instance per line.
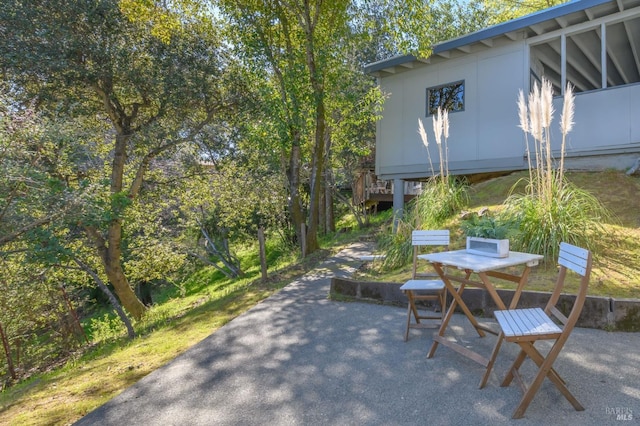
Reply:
x=599, y=312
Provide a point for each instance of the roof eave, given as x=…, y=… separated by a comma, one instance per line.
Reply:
x=491, y=32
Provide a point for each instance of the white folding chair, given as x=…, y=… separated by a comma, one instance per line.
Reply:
x=425, y=286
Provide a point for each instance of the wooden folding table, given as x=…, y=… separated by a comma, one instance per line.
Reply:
x=483, y=267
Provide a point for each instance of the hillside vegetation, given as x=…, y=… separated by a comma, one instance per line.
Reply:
x=616, y=271
x=67, y=393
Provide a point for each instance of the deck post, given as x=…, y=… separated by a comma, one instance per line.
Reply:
x=398, y=202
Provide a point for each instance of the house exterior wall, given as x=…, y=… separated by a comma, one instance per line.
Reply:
x=485, y=137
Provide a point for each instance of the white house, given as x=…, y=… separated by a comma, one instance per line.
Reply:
x=594, y=44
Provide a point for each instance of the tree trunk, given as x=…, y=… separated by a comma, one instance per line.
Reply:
x=123, y=290
x=7, y=351
x=316, y=183
x=330, y=225
x=295, y=203
x=263, y=254
x=317, y=170
x=111, y=253
x=110, y=258
x=223, y=253
x=322, y=209
x=206, y=261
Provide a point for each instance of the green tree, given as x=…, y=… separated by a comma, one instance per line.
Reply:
x=280, y=39
x=136, y=94
x=299, y=48
x=229, y=204
x=501, y=10
x=38, y=321
x=27, y=201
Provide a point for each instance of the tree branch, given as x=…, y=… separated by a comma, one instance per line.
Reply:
x=99, y=241
x=112, y=299
x=43, y=221
x=208, y=262
x=144, y=164
x=112, y=111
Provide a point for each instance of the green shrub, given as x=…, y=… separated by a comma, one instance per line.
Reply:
x=488, y=226
x=552, y=210
x=438, y=202
x=570, y=214
x=105, y=328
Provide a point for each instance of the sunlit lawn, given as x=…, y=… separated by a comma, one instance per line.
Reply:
x=616, y=271
x=68, y=393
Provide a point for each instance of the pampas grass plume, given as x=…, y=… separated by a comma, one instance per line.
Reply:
x=445, y=123
x=535, y=114
x=566, y=119
x=437, y=126
x=423, y=134
x=522, y=112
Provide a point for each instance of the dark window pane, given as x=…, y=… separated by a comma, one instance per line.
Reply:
x=449, y=97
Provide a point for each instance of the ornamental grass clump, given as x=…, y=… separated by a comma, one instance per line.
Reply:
x=442, y=197
x=552, y=209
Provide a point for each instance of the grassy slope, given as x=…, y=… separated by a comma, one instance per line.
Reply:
x=616, y=270
x=66, y=394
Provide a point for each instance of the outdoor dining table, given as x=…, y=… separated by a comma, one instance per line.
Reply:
x=484, y=267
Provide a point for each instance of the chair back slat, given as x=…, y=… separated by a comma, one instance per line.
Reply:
x=574, y=258
x=430, y=238
x=422, y=238
x=579, y=260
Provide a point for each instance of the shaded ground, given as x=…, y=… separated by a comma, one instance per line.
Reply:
x=299, y=358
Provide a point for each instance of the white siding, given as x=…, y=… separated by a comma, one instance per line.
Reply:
x=486, y=129
x=485, y=136
x=499, y=80
x=605, y=119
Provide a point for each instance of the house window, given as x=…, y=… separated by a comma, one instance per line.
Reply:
x=449, y=97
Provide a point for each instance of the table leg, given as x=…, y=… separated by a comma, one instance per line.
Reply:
x=521, y=283
x=458, y=298
x=492, y=291
x=443, y=326
x=492, y=360
x=514, y=302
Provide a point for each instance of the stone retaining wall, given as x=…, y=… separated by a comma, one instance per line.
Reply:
x=598, y=312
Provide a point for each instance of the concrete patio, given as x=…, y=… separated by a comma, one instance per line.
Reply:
x=299, y=358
